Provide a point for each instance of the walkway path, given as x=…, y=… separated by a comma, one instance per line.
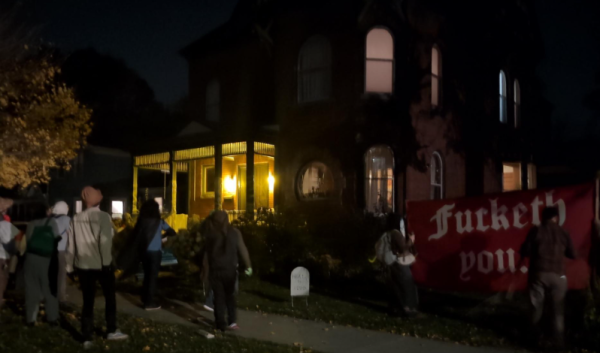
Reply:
x=275, y=328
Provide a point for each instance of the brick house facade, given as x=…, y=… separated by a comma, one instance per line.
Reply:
x=368, y=103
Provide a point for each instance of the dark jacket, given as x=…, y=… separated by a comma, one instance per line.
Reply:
x=546, y=246
x=137, y=244
x=223, y=244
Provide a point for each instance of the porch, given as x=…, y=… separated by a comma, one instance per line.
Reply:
x=193, y=182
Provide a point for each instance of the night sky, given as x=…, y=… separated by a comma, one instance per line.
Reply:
x=147, y=35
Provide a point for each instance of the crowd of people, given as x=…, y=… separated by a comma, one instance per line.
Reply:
x=55, y=246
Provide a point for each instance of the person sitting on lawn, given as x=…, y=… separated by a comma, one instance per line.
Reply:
x=223, y=244
x=145, y=244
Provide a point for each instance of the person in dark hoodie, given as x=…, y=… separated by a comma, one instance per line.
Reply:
x=223, y=244
x=546, y=246
x=145, y=245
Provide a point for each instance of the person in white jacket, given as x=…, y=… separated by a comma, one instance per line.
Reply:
x=7, y=233
x=89, y=255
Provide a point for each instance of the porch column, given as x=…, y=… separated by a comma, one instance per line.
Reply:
x=250, y=179
x=173, y=168
x=218, y=176
x=134, y=205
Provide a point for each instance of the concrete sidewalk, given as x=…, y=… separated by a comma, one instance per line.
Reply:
x=275, y=328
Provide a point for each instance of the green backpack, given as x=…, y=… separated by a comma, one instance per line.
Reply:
x=42, y=242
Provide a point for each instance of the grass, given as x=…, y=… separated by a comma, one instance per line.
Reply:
x=348, y=310
x=145, y=336
x=465, y=319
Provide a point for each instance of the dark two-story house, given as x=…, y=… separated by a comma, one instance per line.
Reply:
x=364, y=104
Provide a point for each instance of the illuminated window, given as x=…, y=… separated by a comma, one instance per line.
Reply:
x=531, y=176
x=517, y=104
x=379, y=179
x=437, y=176
x=511, y=176
x=315, y=182
x=159, y=201
x=78, y=206
x=208, y=181
x=213, y=101
x=379, y=61
x=116, y=209
x=502, y=87
x=436, y=72
x=314, y=70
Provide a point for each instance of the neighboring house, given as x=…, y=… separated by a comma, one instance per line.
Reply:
x=107, y=169
x=366, y=104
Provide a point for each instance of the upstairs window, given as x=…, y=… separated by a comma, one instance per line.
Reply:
x=517, y=104
x=314, y=70
x=437, y=177
x=213, y=101
x=379, y=179
x=511, y=176
x=436, y=71
x=379, y=61
x=502, y=87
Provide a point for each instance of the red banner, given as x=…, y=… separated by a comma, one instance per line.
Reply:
x=472, y=244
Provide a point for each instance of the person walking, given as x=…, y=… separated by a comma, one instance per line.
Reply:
x=60, y=213
x=7, y=234
x=223, y=244
x=40, y=278
x=145, y=245
x=546, y=246
x=89, y=254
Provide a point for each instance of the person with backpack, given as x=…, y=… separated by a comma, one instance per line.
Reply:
x=223, y=245
x=42, y=242
x=145, y=245
x=89, y=254
x=60, y=213
x=395, y=251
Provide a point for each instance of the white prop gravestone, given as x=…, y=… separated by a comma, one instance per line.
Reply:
x=300, y=284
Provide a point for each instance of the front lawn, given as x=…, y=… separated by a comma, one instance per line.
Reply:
x=145, y=336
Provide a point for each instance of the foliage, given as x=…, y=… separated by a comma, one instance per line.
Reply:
x=187, y=246
x=42, y=125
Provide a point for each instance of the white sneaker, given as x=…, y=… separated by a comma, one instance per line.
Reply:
x=88, y=345
x=234, y=327
x=117, y=336
x=208, y=308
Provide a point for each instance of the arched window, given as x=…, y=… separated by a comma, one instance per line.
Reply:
x=314, y=182
x=379, y=179
x=502, y=86
x=379, y=66
x=314, y=70
x=437, y=176
x=213, y=101
x=436, y=73
x=517, y=104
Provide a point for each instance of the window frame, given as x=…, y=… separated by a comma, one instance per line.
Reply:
x=326, y=68
x=432, y=175
x=206, y=194
x=299, y=182
x=369, y=179
x=503, y=95
x=437, y=77
x=393, y=60
x=75, y=202
x=210, y=105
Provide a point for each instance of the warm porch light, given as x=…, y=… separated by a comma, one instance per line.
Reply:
x=229, y=185
x=271, y=180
